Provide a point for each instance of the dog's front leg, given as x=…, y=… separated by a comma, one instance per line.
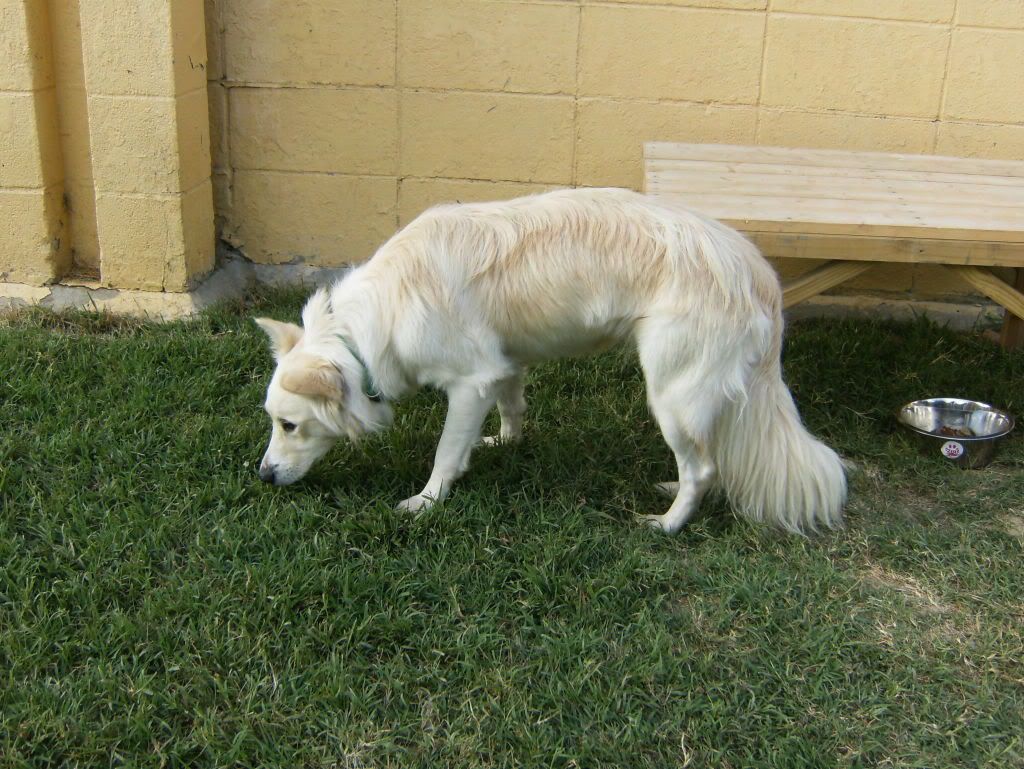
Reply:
x=467, y=407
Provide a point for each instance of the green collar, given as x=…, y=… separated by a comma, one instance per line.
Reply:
x=370, y=389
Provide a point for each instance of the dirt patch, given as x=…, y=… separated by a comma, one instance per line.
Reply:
x=1013, y=524
x=916, y=594
x=934, y=623
x=875, y=495
x=76, y=323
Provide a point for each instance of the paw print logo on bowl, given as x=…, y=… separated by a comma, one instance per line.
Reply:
x=952, y=449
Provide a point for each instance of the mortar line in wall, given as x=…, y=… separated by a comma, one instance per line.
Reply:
x=538, y=3
x=413, y=177
x=481, y=180
x=845, y=113
x=990, y=29
x=876, y=116
x=163, y=270
x=761, y=75
x=399, y=90
x=987, y=123
x=222, y=41
x=149, y=96
x=774, y=108
x=650, y=100
x=474, y=179
x=945, y=79
x=153, y=195
x=670, y=7
x=872, y=115
x=399, y=98
x=748, y=11
x=396, y=87
x=20, y=190
x=574, y=161
x=19, y=92
x=130, y=96
x=307, y=85
x=196, y=186
x=201, y=87
x=300, y=172
x=840, y=17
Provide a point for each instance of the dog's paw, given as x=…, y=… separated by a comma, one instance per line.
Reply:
x=498, y=440
x=667, y=489
x=661, y=523
x=417, y=504
x=652, y=521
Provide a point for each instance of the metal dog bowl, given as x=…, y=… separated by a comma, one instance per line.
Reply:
x=964, y=432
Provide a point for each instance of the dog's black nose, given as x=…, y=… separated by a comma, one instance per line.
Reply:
x=267, y=473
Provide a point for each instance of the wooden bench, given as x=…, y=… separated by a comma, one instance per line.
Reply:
x=856, y=209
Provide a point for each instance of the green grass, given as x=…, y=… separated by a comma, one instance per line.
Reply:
x=161, y=607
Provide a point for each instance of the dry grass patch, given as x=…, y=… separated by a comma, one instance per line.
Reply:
x=917, y=595
x=1013, y=524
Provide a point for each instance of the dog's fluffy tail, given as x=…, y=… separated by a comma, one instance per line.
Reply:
x=773, y=470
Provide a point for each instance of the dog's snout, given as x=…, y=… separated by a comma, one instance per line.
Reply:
x=267, y=473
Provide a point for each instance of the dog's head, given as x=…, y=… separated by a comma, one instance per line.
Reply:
x=315, y=397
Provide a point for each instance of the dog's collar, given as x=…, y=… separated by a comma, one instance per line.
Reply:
x=370, y=389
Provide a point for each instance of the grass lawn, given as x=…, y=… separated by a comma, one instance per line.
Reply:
x=159, y=606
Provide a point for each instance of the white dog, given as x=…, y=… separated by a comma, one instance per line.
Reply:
x=466, y=296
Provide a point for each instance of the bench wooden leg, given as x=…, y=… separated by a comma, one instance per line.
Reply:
x=1012, y=336
x=1010, y=297
x=820, y=279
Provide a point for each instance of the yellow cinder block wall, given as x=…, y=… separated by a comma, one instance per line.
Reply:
x=333, y=122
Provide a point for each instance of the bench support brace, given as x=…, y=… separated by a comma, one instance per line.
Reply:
x=820, y=279
x=1011, y=297
x=1012, y=336
x=1008, y=296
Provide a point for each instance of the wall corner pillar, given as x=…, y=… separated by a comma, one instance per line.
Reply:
x=33, y=241
x=145, y=73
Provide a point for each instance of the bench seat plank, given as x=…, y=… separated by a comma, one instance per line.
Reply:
x=656, y=166
x=833, y=192
x=834, y=217
x=976, y=193
x=730, y=153
x=855, y=208
x=880, y=249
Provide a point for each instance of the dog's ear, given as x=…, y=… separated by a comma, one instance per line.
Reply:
x=283, y=336
x=319, y=380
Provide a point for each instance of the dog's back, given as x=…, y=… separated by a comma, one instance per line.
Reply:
x=567, y=271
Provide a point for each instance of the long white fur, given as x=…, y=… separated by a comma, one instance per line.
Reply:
x=466, y=296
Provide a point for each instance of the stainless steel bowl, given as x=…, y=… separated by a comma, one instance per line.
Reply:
x=964, y=432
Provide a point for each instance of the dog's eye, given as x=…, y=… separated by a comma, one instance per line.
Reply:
x=288, y=427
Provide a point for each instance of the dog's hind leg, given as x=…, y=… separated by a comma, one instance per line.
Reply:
x=696, y=472
x=686, y=394
x=511, y=407
x=467, y=408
